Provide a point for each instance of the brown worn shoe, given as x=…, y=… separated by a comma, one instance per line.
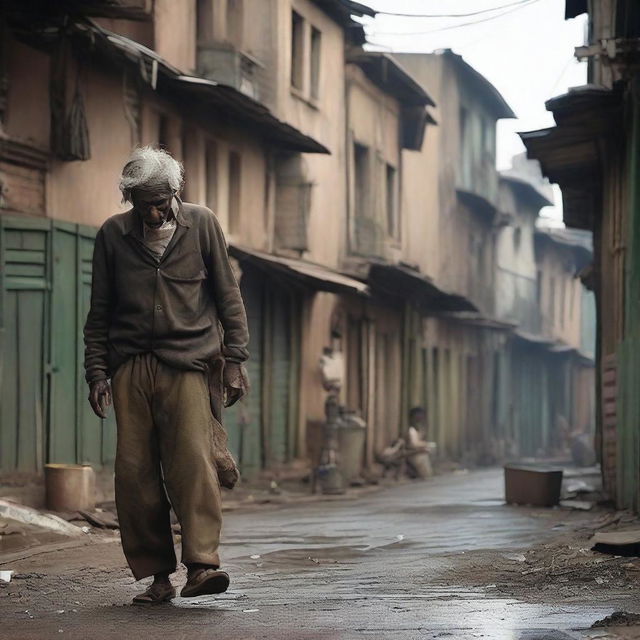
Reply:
x=205, y=582
x=155, y=594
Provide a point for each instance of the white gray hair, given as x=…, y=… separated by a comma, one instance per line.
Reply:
x=149, y=168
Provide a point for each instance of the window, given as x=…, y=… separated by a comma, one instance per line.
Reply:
x=297, y=51
x=517, y=238
x=361, y=177
x=293, y=203
x=235, y=178
x=211, y=175
x=316, y=39
x=393, y=226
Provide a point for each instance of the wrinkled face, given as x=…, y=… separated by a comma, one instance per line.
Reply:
x=154, y=210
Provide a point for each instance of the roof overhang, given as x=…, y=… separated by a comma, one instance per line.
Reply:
x=233, y=103
x=300, y=272
x=581, y=248
x=342, y=11
x=569, y=153
x=527, y=191
x=552, y=346
x=480, y=86
x=384, y=71
x=229, y=104
x=43, y=10
x=477, y=204
x=401, y=282
x=390, y=76
x=574, y=8
x=479, y=320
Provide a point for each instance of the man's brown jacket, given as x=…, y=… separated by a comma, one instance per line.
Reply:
x=172, y=307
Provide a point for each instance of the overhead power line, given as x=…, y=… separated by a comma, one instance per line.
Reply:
x=449, y=15
x=521, y=5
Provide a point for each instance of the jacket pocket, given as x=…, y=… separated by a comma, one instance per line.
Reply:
x=201, y=275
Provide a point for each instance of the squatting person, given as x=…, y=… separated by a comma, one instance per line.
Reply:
x=165, y=339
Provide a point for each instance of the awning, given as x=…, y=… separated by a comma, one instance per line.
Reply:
x=477, y=319
x=569, y=153
x=230, y=105
x=532, y=338
x=309, y=274
x=552, y=345
x=526, y=189
x=399, y=281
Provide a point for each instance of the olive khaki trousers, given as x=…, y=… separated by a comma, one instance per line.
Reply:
x=164, y=458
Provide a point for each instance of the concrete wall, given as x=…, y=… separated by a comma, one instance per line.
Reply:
x=561, y=295
x=444, y=221
x=516, y=269
x=373, y=122
x=175, y=32
x=324, y=120
x=87, y=192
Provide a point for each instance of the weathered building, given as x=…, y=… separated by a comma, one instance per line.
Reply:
x=549, y=393
x=452, y=219
x=592, y=153
x=81, y=88
x=357, y=190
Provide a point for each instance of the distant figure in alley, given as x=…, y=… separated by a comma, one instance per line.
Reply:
x=162, y=287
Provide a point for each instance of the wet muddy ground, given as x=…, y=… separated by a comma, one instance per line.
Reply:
x=442, y=559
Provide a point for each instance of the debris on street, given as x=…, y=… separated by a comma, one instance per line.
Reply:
x=30, y=516
x=6, y=576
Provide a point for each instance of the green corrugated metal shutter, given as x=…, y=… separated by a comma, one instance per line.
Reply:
x=279, y=377
x=45, y=274
x=24, y=287
x=244, y=420
x=76, y=434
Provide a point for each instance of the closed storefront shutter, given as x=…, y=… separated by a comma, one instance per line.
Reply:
x=45, y=284
x=24, y=283
x=279, y=378
x=76, y=434
x=243, y=421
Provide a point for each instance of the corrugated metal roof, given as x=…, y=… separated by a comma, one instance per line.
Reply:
x=234, y=104
x=313, y=275
x=396, y=280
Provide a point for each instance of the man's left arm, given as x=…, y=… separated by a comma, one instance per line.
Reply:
x=231, y=313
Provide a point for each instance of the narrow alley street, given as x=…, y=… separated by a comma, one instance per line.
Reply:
x=443, y=559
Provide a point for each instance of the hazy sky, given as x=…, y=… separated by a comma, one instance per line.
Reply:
x=525, y=50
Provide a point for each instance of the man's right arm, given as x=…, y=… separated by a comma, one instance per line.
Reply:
x=96, y=328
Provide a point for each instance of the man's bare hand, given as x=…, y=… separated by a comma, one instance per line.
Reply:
x=236, y=383
x=100, y=397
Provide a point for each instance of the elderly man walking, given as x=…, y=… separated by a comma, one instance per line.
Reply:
x=166, y=337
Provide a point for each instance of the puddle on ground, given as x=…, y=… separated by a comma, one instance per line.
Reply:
x=437, y=611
